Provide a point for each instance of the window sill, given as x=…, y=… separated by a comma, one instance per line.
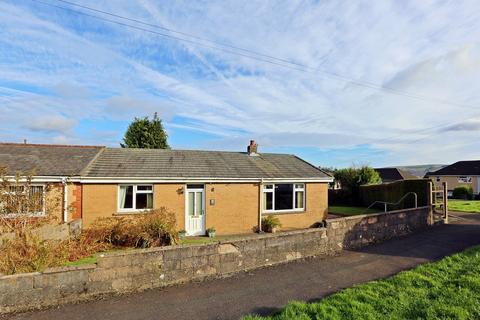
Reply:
x=132, y=213
x=283, y=212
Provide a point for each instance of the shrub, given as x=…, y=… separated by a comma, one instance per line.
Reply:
x=25, y=253
x=350, y=180
x=270, y=223
x=154, y=228
x=157, y=228
x=463, y=192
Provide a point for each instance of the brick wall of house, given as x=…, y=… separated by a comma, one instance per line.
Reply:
x=231, y=208
x=75, y=201
x=316, y=208
x=54, y=201
x=452, y=182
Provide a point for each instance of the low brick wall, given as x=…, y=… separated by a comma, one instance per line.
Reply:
x=158, y=267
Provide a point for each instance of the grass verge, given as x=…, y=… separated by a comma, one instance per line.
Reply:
x=448, y=289
x=350, y=211
x=464, y=205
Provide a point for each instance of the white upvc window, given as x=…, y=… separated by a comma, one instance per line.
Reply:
x=31, y=201
x=132, y=197
x=464, y=179
x=283, y=197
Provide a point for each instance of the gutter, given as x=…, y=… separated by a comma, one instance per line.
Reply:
x=193, y=180
x=85, y=179
x=260, y=207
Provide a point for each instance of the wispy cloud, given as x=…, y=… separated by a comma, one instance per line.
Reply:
x=71, y=73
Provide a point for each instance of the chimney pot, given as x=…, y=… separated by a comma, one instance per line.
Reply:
x=252, y=148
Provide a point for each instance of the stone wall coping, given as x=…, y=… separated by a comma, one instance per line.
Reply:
x=214, y=243
x=362, y=216
x=19, y=275
x=69, y=268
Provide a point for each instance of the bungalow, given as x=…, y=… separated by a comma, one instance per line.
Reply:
x=461, y=173
x=230, y=191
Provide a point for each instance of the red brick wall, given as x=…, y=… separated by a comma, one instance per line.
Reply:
x=76, y=203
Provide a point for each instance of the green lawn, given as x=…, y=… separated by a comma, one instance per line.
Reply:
x=87, y=260
x=350, y=211
x=464, y=205
x=198, y=240
x=448, y=289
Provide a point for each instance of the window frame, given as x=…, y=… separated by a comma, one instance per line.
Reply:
x=464, y=179
x=30, y=214
x=295, y=189
x=135, y=191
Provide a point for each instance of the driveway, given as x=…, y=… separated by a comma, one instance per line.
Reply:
x=266, y=290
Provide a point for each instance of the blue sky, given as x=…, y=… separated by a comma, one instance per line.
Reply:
x=69, y=78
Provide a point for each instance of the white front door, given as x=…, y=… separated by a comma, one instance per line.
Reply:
x=195, y=210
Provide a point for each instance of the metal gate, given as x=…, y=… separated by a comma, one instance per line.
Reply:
x=438, y=212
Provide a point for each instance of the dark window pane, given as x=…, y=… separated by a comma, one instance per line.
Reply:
x=126, y=197
x=194, y=186
x=283, y=196
x=36, y=195
x=144, y=201
x=144, y=188
x=268, y=200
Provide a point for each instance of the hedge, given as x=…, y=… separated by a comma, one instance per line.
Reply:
x=394, y=191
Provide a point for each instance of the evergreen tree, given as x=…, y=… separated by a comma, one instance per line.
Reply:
x=145, y=133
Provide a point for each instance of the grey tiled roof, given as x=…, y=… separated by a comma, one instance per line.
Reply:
x=393, y=174
x=46, y=160
x=155, y=163
x=459, y=168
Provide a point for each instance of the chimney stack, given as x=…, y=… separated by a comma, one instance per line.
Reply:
x=252, y=148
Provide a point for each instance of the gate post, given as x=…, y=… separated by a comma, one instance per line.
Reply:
x=445, y=202
x=430, y=203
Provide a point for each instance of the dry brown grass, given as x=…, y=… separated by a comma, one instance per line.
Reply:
x=28, y=253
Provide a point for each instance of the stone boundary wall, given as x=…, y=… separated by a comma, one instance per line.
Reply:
x=137, y=270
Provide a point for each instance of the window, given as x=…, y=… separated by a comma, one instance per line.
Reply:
x=464, y=179
x=284, y=197
x=438, y=179
x=135, y=197
x=19, y=201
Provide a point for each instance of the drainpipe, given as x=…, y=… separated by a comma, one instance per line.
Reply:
x=260, y=207
x=65, y=200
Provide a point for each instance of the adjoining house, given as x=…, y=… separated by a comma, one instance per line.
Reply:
x=393, y=174
x=461, y=173
x=230, y=191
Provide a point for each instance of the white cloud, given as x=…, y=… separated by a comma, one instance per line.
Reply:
x=54, y=123
x=85, y=69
